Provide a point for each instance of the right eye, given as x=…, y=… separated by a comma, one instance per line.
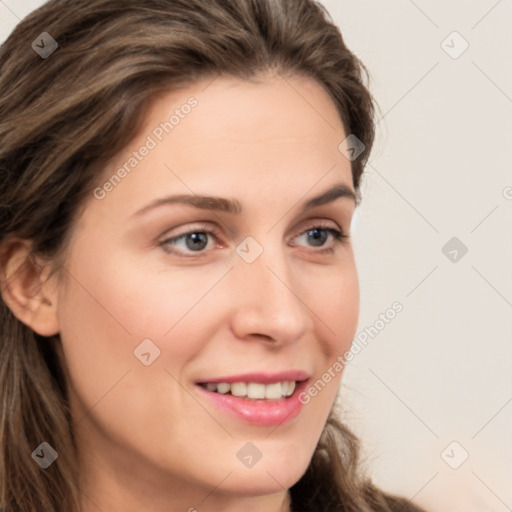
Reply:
x=192, y=241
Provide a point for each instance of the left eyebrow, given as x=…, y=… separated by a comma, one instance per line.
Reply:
x=339, y=190
x=233, y=206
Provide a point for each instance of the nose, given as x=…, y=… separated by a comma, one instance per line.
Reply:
x=267, y=304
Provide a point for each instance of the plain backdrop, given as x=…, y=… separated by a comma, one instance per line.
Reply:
x=430, y=394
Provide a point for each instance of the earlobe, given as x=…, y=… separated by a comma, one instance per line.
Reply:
x=25, y=289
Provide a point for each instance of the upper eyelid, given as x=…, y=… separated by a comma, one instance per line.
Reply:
x=200, y=227
x=334, y=211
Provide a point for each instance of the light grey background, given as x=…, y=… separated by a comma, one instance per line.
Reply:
x=441, y=370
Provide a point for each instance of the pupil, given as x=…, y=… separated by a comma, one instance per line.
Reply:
x=316, y=237
x=197, y=238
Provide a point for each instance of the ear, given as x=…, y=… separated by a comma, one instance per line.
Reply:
x=25, y=288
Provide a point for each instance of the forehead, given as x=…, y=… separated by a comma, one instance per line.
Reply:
x=232, y=111
x=230, y=135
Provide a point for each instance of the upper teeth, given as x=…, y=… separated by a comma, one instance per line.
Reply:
x=254, y=389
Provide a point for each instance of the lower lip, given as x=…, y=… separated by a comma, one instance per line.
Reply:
x=259, y=412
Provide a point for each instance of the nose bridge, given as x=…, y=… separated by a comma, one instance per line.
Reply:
x=267, y=302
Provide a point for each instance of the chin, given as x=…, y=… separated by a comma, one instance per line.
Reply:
x=265, y=478
x=262, y=484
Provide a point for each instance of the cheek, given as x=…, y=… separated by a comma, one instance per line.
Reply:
x=334, y=300
x=110, y=306
x=105, y=312
x=348, y=311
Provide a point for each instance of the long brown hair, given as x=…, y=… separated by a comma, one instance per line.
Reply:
x=64, y=114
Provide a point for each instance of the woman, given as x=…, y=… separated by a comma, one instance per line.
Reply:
x=178, y=182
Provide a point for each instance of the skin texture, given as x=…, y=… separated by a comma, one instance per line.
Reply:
x=147, y=439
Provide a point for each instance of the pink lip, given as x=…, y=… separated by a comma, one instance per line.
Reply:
x=262, y=378
x=258, y=412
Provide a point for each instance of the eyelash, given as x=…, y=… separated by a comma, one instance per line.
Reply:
x=339, y=237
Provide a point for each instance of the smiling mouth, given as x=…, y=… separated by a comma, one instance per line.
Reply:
x=252, y=390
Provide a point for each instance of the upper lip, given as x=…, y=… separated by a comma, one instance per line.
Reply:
x=260, y=377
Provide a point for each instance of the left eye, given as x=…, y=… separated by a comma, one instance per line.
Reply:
x=197, y=240
x=321, y=234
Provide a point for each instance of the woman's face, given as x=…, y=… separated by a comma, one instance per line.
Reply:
x=254, y=295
